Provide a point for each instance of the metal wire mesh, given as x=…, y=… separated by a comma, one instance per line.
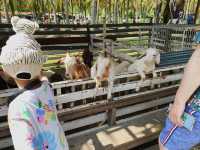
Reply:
x=172, y=37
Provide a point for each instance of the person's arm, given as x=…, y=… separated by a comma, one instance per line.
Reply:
x=21, y=130
x=190, y=82
x=191, y=79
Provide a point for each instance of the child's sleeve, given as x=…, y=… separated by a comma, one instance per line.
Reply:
x=20, y=128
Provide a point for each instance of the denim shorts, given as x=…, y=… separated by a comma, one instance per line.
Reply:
x=180, y=138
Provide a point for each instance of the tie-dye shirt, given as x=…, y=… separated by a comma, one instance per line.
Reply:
x=33, y=121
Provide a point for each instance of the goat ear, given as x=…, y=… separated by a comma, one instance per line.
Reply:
x=158, y=59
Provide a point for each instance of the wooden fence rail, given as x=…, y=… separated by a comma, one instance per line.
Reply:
x=63, y=37
x=80, y=112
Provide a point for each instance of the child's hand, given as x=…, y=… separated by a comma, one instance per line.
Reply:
x=175, y=113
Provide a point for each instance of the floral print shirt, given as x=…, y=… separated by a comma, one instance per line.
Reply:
x=33, y=122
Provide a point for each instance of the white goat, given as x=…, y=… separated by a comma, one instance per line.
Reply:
x=105, y=68
x=146, y=64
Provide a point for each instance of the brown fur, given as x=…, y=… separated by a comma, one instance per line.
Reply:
x=79, y=71
x=106, y=72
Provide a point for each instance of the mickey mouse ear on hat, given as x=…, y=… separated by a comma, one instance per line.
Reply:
x=24, y=25
x=14, y=20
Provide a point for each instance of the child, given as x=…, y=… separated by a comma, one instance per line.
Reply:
x=182, y=127
x=32, y=115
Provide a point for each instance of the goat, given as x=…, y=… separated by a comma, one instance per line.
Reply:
x=6, y=81
x=53, y=76
x=74, y=67
x=146, y=64
x=105, y=68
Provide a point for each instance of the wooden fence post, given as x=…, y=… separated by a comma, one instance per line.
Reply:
x=90, y=42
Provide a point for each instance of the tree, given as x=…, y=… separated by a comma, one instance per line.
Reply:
x=127, y=10
x=66, y=4
x=94, y=11
x=109, y=11
x=54, y=11
x=116, y=11
x=6, y=11
x=197, y=11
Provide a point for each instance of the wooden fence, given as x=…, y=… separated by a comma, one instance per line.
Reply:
x=79, y=112
x=63, y=37
x=82, y=112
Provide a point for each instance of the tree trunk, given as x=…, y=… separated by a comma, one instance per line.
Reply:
x=109, y=11
x=120, y=16
x=66, y=11
x=116, y=12
x=123, y=10
x=141, y=9
x=34, y=15
x=94, y=11
x=81, y=6
x=72, y=8
x=85, y=11
x=196, y=12
x=54, y=11
x=163, y=7
x=6, y=11
x=0, y=17
x=127, y=10
x=166, y=12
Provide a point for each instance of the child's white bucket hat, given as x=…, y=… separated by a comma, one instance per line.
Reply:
x=22, y=53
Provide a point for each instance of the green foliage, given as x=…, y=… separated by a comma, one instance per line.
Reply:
x=142, y=8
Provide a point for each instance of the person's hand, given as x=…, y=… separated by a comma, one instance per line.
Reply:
x=175, y=113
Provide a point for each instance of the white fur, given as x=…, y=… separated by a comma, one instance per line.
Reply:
x=69, y=61
x=146, y=64
x=121, y=68
x=99, y=68
x=115, y=68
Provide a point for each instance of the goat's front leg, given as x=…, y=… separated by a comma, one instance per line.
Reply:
x=110, y=87
x=154, y=77
x=98, y=84
x=143, y=77
x=154, y=74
